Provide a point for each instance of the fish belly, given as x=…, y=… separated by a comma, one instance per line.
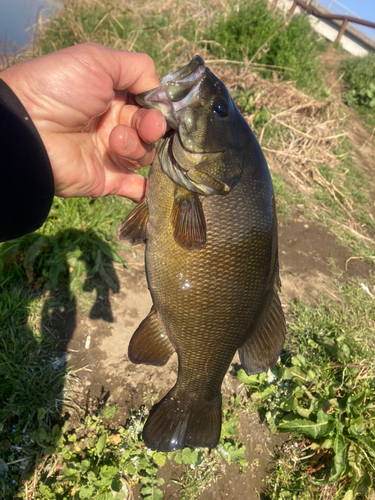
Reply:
x=209, y=298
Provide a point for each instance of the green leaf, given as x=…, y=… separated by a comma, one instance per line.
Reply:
x=285, y=373
x=251, y=380
x=110, y=252
x=42, y=434
x=296, y=371
x=108, y=472
x=358, y=399
x=71, y=472
x=189, y=457
x=159, y=458
x=85, y=464
x=368, y=444
x=349, y=495
x=321, y=428
x=339, y=449
x=356, y=425
x=33, y=251
x=55, y=431
x=109, y=412
x=152, y=493
x=130, y=469
x=100, y=444
x=303, y=412
x=41, y=414
x=339, y=462
x=116, y=484
x=86, y=492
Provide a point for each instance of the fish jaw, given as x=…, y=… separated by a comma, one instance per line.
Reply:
x=177, y=91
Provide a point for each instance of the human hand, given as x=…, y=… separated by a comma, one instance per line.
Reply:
x=92, y=133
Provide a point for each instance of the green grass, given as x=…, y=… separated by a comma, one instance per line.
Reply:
x=323, y=390
x=112, y=25
x=236, y=36
x=46, y=276
x=94, y=461
x=294, y=47
x=359, y=78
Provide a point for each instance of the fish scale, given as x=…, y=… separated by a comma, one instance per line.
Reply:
x=211, y=256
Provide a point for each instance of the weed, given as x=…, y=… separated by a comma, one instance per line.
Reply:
x=93, y=461
x=323, y=389
x=359, y=77
x=291, y=46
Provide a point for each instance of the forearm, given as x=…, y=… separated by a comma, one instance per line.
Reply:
x=26, y=182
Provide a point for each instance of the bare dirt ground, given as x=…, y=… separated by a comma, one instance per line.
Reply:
x=310, y=259
x=104, y=372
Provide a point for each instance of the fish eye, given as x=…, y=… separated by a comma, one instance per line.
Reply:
x=220, y=108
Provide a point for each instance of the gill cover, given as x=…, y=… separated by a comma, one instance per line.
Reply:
x=201, y=153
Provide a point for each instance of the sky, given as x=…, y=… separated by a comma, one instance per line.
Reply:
x=363, y=8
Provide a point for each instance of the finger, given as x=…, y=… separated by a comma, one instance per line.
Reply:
x=128, y=70
x=128, y=184
x=133, y=187
x=126, y=144
x=149, y=123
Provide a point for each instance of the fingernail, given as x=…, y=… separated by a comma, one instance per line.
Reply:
x=130, y=142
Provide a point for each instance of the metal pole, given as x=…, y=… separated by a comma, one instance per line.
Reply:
x=342, y=30
x=291, y=12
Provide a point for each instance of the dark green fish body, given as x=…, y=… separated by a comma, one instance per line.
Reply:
x=211, y=261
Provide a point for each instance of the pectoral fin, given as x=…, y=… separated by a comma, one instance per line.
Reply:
x=134, y=227
x=149, y=344
x=264, y=345
x=188, y=220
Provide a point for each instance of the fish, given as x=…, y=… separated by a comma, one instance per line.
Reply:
x=210, y=226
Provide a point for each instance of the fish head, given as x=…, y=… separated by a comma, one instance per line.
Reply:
x=199, y=107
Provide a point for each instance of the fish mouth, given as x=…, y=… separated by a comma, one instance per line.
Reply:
x=176, y=91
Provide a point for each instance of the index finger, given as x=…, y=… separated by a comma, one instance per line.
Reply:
x=128, y=70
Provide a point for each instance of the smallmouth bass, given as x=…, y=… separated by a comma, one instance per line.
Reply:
x=210, y=227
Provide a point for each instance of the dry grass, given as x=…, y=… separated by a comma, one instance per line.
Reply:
x=303, y=136
x=307, y=136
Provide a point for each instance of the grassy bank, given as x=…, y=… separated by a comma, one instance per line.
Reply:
x=359, y=77
x=321, y=391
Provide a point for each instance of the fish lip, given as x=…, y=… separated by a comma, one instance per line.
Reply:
x=158, y=97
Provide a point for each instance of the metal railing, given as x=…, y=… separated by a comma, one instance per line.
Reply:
x=335, y=17
x=338, y=8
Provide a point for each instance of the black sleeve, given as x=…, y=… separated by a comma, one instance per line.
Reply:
x=26, y=179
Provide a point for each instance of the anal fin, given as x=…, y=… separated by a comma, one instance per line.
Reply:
x=134, y=227
x=188, y=220
x=149, y=344
x=263, y=347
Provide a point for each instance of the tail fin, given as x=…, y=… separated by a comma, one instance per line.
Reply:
x=175, y=423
